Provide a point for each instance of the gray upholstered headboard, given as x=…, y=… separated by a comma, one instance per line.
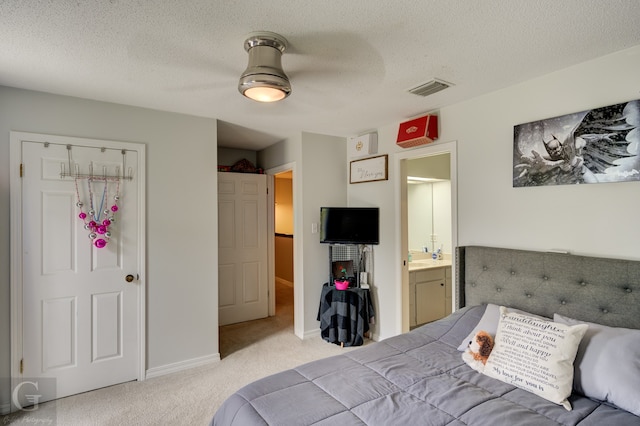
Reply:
x=605, y=291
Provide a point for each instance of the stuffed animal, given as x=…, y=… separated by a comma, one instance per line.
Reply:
x=478, y=351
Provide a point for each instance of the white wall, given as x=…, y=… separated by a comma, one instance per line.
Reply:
x=594, y=219
x=323, y=176
x=181, y=201
x=383, y=275
x=597, y=219
x=318, y=180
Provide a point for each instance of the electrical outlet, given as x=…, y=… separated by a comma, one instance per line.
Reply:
x=314, y=228
x=434, y=238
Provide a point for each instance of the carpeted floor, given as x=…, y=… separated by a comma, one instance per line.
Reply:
x=248, y=351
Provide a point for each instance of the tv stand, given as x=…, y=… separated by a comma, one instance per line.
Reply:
x=345, y=315
x=350, y=257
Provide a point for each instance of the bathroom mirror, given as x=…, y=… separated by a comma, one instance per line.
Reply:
x=429, y=203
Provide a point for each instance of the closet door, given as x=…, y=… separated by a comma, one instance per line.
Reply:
x=242, y=247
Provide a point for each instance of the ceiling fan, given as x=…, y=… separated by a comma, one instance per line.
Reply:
x=325, y=68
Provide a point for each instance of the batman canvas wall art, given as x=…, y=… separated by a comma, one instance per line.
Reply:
x=598, y=145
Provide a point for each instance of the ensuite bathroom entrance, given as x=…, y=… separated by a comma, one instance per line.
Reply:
x=428, y=232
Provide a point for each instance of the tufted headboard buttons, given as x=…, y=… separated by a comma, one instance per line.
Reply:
x=546, y=283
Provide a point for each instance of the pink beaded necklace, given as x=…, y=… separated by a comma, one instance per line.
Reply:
x=94, y=222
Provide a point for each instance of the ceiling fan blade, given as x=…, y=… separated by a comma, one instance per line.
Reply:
x=153, y=49
x=326, y=68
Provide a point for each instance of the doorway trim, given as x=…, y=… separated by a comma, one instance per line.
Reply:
x=15, y=196
x=402, y=292
x=298, y=293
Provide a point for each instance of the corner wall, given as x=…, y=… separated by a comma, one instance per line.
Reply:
x=323, y=176
x=181, y=180
x=589, y=219
x=595, y=219
x=318, y=180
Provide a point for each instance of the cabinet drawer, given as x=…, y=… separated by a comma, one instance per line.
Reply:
x=429, y=275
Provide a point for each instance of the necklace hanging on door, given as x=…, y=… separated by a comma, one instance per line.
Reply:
x=94, y=222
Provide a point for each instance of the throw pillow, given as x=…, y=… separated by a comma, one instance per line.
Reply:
x=607, y=366
x=535, y=355
x=489, y=323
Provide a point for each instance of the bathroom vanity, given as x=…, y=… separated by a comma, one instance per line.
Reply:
x=429, y=290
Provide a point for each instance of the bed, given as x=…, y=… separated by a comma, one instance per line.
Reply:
x=420, y=377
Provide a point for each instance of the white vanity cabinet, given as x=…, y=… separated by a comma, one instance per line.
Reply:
x=429, y=294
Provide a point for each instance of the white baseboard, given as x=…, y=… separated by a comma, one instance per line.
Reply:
x=5, y=408
x=181, y=365
x=310, y=334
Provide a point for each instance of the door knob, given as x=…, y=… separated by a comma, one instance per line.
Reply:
x=128, y=278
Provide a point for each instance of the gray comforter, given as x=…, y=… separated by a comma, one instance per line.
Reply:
x=417, y=378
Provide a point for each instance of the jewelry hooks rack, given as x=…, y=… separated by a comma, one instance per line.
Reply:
x=74, y=172
x=104, y=177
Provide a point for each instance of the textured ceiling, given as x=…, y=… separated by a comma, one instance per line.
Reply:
x=350, y=63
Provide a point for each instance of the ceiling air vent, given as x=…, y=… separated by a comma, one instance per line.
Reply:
x=429, y=88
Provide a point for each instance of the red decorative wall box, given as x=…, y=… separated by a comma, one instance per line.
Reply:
x=418, y=131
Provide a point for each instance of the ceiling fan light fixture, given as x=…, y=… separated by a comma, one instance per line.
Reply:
x=264, y=80
x=264, y=94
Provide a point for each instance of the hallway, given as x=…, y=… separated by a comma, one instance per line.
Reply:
x=235, y=337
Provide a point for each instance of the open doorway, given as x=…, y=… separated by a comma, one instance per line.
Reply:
x=283, y=244
x=428, y=226
x=429, y=238
x=279, y=275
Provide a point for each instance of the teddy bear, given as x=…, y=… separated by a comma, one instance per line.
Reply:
x=478, y=351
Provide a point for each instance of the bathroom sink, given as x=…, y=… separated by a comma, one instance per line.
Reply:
x=428, y=263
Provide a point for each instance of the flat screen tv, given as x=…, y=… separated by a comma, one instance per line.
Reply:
x=349, y=225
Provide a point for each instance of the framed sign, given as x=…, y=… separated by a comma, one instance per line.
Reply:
x=369, y=169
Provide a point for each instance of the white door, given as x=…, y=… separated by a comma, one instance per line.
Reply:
x=81, y=322
x=242, y=247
